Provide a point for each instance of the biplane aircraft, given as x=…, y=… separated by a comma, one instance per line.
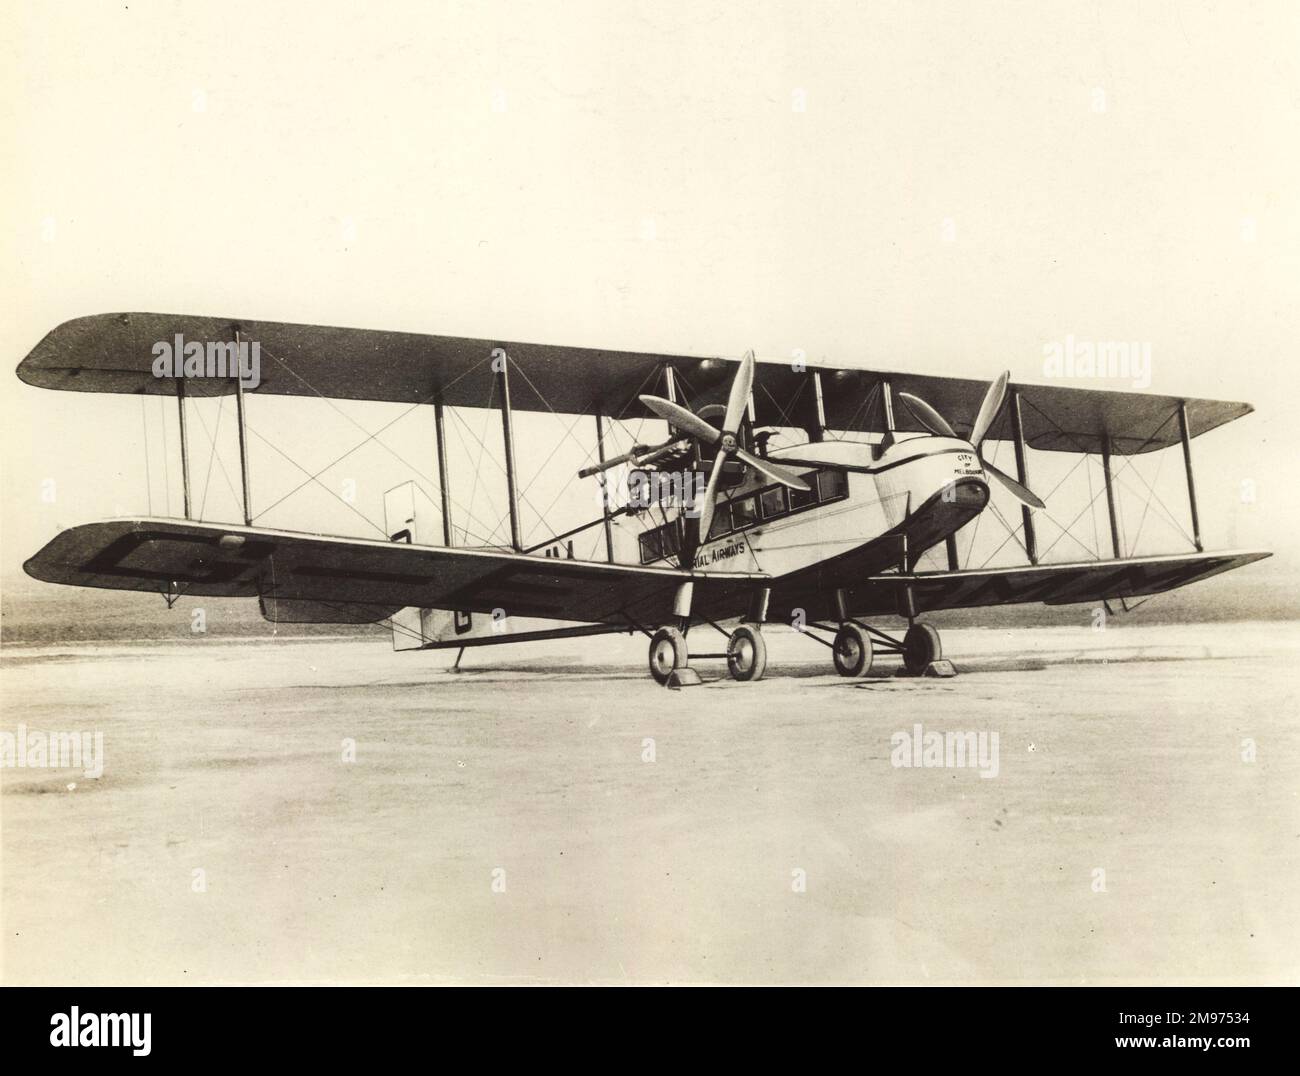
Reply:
x=826, y=532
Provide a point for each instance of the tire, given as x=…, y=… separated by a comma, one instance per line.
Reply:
x=746, y=653
x=920, y=647
x=667, y=652
x=851, y=651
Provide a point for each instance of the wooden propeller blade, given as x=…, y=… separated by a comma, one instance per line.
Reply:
x=989, y=408
x=684, y=420
x=926, y=415
x=711, y=491
x=772, y=470
x=1026, y=495
x=738, y=400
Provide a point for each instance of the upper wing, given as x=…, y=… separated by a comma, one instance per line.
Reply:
x=1052, y=584
x=301, y=576
x=114, y=353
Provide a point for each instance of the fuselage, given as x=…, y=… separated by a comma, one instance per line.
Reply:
x=911, y=496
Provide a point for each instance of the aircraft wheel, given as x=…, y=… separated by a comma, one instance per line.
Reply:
x=746, y=653
x=667, y=652
x=851, y=651
x=920, y=647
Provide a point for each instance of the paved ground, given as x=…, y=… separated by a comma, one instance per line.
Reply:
x=1119, y=751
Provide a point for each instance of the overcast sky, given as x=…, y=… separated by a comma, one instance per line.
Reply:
x=938, y=187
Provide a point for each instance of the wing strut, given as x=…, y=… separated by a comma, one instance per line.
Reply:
x=1110, y=497
x=444, y=489
x=951, y=545
x=1022, y=474
x=1191, y=484
x=819, y=404
x=604, y=487
x=501, y=361
x=185, y=448
x=243, y=434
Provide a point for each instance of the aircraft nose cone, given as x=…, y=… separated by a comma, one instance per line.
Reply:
x=969, y=492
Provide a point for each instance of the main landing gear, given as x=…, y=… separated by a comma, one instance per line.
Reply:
x=746, y=653
x=853, y=648
x=855, y=645
x=921, y=648
x=667, y=653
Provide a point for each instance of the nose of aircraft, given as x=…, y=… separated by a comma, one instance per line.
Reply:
x=939, y=477
x=928, y=417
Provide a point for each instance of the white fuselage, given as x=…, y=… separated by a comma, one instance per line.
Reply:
x=935, y=482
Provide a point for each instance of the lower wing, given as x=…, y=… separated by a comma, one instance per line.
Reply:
x=1053, y=584
x=308, y=577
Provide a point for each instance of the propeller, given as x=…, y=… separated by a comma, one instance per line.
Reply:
x=725, y=439
x=928, y=417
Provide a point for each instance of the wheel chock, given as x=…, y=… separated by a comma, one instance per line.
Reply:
x=943, y=668
x=683, y=677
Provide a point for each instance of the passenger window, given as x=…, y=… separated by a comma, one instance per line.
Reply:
x=803, y=498
x=671, y=540
x=773, y=502
x=832, y=484
x=651, y=546
x=721, y=520
x=744, y=512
